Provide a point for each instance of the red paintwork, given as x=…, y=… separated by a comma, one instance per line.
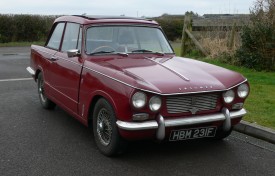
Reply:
x=73, y=83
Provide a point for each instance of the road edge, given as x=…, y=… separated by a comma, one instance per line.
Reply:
x=255, y=130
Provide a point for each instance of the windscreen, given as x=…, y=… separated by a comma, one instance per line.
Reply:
x=127, y=39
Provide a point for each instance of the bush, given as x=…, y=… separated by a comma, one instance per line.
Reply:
x=258, y=39
x=172, y=28
x=254, y=52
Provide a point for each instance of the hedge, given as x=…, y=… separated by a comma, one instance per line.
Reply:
x=24, y=28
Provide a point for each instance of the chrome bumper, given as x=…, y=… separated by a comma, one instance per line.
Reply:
x=31, y=71
x=160, y=123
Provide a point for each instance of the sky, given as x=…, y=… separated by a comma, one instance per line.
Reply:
x=134, y=8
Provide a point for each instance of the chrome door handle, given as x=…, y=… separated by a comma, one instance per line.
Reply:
x=53, y=58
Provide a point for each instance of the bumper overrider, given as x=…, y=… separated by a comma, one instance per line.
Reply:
x=160, y=123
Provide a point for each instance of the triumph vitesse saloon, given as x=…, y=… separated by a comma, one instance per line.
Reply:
x=121, y=76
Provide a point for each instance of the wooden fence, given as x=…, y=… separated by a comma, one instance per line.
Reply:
x=221, y=26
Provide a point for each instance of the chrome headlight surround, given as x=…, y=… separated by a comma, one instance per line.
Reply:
x=139, y=100
x=229, y=96
x=243, y=90
x=155, y=103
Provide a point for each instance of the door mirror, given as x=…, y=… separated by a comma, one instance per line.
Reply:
x=73, y=53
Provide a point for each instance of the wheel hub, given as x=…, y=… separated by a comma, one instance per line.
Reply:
x=104, y=128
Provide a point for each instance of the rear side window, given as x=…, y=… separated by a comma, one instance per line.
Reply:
x=56, y=36
x=71, y=37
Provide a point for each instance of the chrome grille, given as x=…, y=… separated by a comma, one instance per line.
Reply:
x=191, y=103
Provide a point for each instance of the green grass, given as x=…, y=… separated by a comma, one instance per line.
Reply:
x=14, y=44
x=261, y=101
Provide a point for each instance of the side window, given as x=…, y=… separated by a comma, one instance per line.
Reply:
x=56, y=36
x=70, y=40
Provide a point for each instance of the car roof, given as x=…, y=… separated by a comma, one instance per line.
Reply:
x=97, y=19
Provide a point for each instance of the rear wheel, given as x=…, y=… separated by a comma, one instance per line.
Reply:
x=45, y=102
x=106, y=134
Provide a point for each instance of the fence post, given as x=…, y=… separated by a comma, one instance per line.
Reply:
x=187, y=37
x=184, y=39
x=231, y=41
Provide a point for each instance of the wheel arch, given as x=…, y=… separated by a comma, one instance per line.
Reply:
x=36, y=74
x=91, y=109
x=94, y=100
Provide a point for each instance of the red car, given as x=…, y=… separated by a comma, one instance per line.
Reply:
x=121, y=76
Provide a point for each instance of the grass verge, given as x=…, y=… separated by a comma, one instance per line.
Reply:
x=261, y=101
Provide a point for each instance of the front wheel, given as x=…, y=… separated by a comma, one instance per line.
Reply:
x=106, y=134
x=45, y=102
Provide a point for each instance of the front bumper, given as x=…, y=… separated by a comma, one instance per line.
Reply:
x=160, y=123
x=31, y=71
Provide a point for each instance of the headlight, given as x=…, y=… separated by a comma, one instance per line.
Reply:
x=155, y=103
x=228, y=96
x=139, y=100
x=243, y=90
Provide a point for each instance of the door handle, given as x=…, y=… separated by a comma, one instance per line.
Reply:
x=53, y=58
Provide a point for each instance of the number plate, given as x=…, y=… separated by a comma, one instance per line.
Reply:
x=192, y=133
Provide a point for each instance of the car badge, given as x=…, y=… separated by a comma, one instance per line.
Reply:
x=194, y=110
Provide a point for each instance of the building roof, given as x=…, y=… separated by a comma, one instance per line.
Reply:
x=217, y=20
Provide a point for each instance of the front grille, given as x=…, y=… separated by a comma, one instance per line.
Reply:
x=191, y=103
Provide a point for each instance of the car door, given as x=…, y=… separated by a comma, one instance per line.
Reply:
x=65, y=71
x=51, y=48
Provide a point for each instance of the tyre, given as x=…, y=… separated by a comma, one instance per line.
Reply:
x=106, y=134
x=45, y=102
x=220, y=134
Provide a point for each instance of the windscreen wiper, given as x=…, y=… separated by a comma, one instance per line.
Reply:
x=101, y=52
x=147, y=51
x=108, y=52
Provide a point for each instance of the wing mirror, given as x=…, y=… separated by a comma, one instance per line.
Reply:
x=73, y=53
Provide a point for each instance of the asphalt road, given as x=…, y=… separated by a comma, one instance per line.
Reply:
x=34, y=141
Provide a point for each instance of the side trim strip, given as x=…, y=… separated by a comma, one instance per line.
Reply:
x=61, y=93
x=59, y=57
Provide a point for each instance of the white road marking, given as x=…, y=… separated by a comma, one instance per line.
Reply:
x=16, y=79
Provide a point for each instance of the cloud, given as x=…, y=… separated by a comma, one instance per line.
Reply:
x=127, y=7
